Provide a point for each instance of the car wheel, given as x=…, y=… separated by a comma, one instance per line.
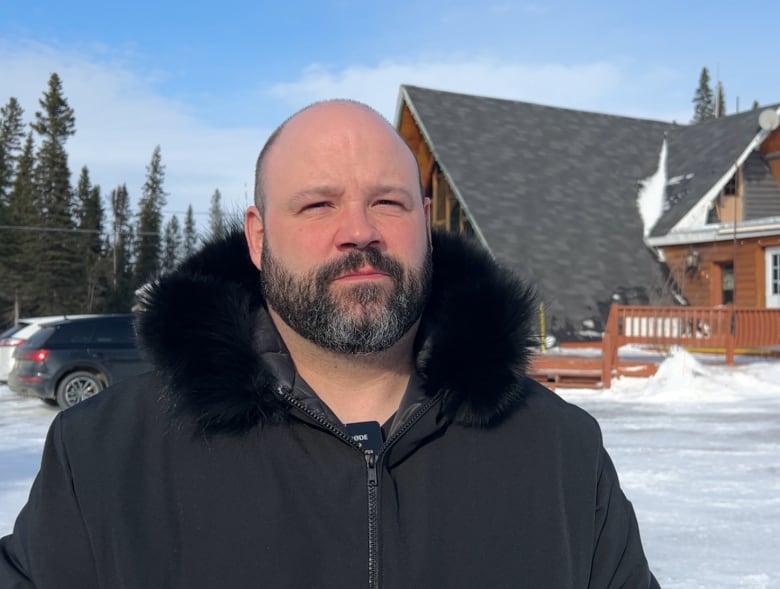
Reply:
x=76, y=387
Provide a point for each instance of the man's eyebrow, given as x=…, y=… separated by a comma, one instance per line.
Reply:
x=387, y=189
x=310, y=193
x=328, y=191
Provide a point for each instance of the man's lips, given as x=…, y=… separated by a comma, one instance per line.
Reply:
x=362, y=274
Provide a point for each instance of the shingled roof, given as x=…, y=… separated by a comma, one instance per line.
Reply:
x=699, y=157
x=552, y=192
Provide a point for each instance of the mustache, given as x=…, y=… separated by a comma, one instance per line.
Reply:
x=355, y=260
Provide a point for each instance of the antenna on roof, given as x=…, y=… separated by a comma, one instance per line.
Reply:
x=768, y=119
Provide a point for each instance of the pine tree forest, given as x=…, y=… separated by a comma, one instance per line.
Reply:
x=710, y=102
x=66, y=246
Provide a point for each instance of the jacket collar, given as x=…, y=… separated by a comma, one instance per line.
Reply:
x=205, y=328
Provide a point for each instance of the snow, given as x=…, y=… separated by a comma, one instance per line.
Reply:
x=697, y=448
x=652, y=192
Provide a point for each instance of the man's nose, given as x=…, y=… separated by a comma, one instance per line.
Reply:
x=356, y=228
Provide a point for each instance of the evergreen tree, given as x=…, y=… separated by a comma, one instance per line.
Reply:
x=17, y=261
x=755, y=105
x=216, y=215
x=172, y=247
x=121, y=298
x=148, y=247
x=11, y=136
x=720, y=102
x=91, y=218
x=57, y=278
x=190, y=233
x=704, y=106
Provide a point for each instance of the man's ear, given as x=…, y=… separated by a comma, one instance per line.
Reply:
x=254, y=230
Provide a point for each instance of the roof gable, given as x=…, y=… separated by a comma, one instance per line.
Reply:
x=553, y=191
x=701, y=158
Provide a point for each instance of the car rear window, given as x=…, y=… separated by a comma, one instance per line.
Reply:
x=38, y=339
x=9, y=332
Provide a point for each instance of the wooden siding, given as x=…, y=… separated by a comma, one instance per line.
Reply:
x=414, y=139
x=702, y=286
x=446, y=212
x=771, y=150
x=760, y=189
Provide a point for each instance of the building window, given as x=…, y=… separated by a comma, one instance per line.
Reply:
x=727, y=283
x=730, y=189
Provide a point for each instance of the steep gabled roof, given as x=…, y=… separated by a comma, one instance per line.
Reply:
x=700, y=157
x=553, y=192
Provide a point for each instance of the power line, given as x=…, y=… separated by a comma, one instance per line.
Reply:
x=61, y=229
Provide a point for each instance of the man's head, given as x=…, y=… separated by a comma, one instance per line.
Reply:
x=340, y=228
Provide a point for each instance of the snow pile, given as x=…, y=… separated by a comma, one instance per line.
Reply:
x=683, y=379
x=680, y=377
x=652, y=193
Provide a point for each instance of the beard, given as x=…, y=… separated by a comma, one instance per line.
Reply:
x=359, y=318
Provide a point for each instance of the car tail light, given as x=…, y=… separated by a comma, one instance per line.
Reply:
x=34, y=355
x=10, y=342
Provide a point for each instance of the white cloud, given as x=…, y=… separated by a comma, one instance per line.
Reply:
x=378, y=86
x=618, y=87
x=121, y=117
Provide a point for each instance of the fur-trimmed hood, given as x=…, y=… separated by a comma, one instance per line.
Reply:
x=199, y=328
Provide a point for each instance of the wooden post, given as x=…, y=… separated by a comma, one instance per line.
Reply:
x=731, y=337
x=609, y=348
x=606, y=360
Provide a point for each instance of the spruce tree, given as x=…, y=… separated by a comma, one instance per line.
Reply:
x=121, y=298
x=148, y=249
x=720, y=111
x=704, y=106
x=190, y=234
x=216, y=215
x=57, y=276
x=17, y=261
x=172, y=246
x=91, y=218
x=11, y=136
x=755, y=105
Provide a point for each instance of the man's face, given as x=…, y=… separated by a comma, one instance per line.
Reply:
x=344, y=242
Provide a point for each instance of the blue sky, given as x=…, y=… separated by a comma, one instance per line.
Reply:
x=209, y=81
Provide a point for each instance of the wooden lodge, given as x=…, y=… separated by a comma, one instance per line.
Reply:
x=554, y=194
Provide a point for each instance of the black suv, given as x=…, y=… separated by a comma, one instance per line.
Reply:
x=67, y=361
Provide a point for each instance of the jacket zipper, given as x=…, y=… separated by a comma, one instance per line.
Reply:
x=373, y=518
x=372, y=474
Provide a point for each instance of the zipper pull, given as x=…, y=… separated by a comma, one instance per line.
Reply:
x=371, y=464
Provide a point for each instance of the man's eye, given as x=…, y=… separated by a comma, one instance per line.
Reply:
x=315, y=205
x=389, y=203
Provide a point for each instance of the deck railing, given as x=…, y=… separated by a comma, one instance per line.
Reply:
x=721, y=328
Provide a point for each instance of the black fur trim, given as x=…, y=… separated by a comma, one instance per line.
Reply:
x=476, y=333
x=199, y=329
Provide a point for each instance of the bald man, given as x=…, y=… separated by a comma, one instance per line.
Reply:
x=339, y=400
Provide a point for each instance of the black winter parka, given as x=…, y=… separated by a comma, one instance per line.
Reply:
x=214, y=471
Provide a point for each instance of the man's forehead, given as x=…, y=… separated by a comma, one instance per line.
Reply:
x=322, y=130
x=330, y=118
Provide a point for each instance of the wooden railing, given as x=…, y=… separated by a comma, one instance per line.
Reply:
x=725, y=328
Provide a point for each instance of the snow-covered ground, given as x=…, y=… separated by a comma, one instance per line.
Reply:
x=697, y=448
